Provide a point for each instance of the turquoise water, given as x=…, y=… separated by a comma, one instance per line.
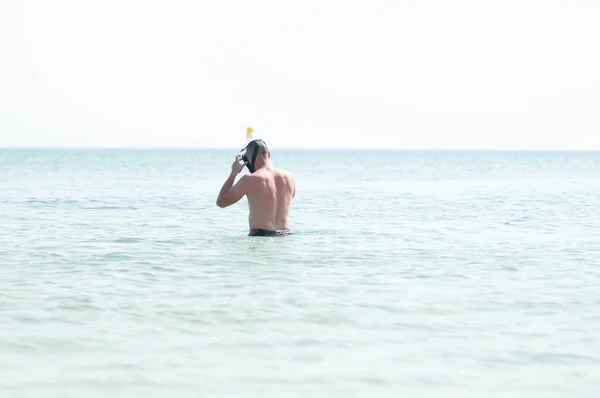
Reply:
x=414, y=274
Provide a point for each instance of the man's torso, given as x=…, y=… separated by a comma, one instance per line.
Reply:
x=269, y=198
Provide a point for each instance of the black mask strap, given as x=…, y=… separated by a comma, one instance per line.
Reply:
x=256, y=148
x=254, y=157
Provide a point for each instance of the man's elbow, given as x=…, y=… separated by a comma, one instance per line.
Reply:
x=223, y=202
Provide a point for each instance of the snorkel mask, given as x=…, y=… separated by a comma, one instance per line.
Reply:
x=255, y=144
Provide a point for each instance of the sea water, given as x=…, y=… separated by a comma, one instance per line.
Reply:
x=409, y=274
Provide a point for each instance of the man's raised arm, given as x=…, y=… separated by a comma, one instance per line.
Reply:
x=231, y=193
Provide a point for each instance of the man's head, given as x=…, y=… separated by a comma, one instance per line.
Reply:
x=257, y=154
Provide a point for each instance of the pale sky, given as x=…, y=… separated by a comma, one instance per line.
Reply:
x=332, y=74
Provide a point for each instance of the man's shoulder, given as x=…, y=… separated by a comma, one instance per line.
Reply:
x=290, y=175
x=261, y=175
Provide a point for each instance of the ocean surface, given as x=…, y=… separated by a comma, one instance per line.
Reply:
x=410, y=274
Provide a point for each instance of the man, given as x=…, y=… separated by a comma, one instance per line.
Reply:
x=269, y=190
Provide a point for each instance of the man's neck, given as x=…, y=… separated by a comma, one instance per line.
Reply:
x=266, y=164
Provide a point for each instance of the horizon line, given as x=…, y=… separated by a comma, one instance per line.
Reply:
x=194, y=148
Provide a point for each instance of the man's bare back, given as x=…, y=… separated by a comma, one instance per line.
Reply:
x=269, y=190
x=270, y=195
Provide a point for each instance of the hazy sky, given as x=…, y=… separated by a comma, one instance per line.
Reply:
x=371, y=73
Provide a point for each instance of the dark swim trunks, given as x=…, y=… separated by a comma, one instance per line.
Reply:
x=268, y=232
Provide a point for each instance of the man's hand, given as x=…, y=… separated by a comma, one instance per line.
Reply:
x=237, y=166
